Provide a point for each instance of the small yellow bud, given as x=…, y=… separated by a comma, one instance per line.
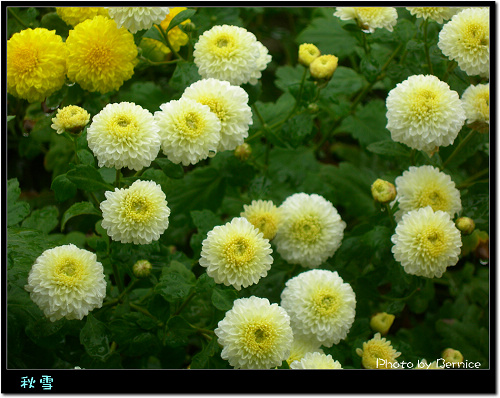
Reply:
x=243, y=151
x=452, y=356
x=308, y=53
x=71, y=118
x=382, y=322
x=383, y=191
x=466, y=225
x=142, y=268
x=324, y=66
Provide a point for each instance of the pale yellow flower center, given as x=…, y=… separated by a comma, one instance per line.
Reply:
x=123, y=127
x=431, y=241
x=367, y=14
x=307, y=229
x=99, y=57
x=475, y=35
x=68, y=272
x=215, y=105
x=265, y=222
x=26, y=60
x=325, y=302
x=482, y=103
x=377, y=349
x=239, y=251
x=137, y=208
x=223, y=45
x=432, y=196
x=191, y=125
x=258, y=337
x=425, y=104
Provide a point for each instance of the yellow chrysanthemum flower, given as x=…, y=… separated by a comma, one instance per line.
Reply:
x=382, y=322
x=264, y=215
x=176, y=36
x=307, y=53
x=36, y=64
x=369, y=18
x=323, y=66
x=101, y=56
x=378, y=353
x=74, y=15
x=71, y=118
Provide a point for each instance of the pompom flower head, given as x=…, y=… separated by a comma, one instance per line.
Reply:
x=426, y=242
x=426, y=186
x=67, y=282
x=229, y=103
x=124, y=135
x=137, y=18
x=438, y=14
x=369, y=18
x=101, y=56
x=71, y=118
x=236, y=254
x=316, y=360
x=307, y=53
x=36, y=64
x=476, y=102
x=74, y=15
x=324, y=66
x=137, y=214
x=378, y=353
x=321, y=306
x=255, y=334
x=264, y=215
x=424, y=113
x=466, y=39
x=189, y=131
x=311, y=230
x=230, y=53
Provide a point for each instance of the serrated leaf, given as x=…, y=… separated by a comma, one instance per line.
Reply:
x=87, y=178
x=77, y=209
x=16, y=210
x=185, y=74
x=63, y=188
x=201, y=360
x=176, y=282
x=45, y=219
x=94, y=336
x=223, y=299
x=297, y=129
x=170, y=169
x=178, y=331
x=389, y=148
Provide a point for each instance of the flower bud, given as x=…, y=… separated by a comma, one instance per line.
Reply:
x=308, y=53
x=452, y=356
x=243, y=151
x=142, y=268
x=382, y=322
x=383, y=191
x=324, y=66
x=466, y=225
x=188, y=27
x=71, y=118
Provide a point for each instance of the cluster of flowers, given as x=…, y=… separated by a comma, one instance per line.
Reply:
x=317, y=307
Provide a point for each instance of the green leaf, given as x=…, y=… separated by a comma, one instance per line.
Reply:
x=45, y=219
x=178, y=331
x=179, y=18
x=63, y=188
x=223, y=299
x=170, y=169
x=94, y=336
x=149, y=95
x=201, y=360
x=297, y=129
x=87, y=178
x=86, y=157
x=389, y=148
x=184, y=75
x=176, y=282
x=154, y=33
x=79, y=209
x=202, y=188
x=9, y=118
x=16, y=210
x=204, y=221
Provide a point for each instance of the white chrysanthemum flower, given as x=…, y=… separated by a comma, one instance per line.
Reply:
x=438, y=14
x=236, y=254
x=378, y=353
x=137, y=18
x=424, y=113
x=137, y=214
x=316, y=360
x=263, y=215
x=369, y=18
x=230, y=104
x=311, y=230
x=426, y=186
x=301, y=346
x=321, y=306
x=71, y=118
x=67, y=282
x=124, y=135
x=230, y=53
x=426, y=242
x=466, y=39
x=189, y=131
x=255, y=334
x=476, y=102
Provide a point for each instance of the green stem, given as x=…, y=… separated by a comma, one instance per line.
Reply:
x=167, y=42
x=118, y=279
x=401, y=298
x=301, y=90
x=183, y=305
x=391, y=216
x=426, y=47
x=147, y=313
x=458, y=148
x=19, y=21
x=117, y=178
